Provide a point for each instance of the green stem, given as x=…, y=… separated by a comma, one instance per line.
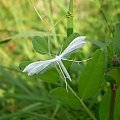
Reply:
x=83, y=104
x=112, y=102
x=70, y=19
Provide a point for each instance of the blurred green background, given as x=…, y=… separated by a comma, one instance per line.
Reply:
x=28, y=98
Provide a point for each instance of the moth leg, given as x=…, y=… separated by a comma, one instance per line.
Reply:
x=63, y=76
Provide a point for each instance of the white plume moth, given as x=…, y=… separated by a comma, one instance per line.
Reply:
x=38, y=67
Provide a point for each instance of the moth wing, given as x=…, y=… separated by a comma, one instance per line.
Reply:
x=37, y=67
x=74, y=45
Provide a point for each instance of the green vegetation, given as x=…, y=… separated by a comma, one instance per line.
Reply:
x=33, y=30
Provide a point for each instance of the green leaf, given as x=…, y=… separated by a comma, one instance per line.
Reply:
x=117, y=38
x=69, y=40
x=70, y=19
x=50, y=76
x=105, y=106
x=117, y=105
x=68, y=98
x=92, y=75
x=40, y=45
x=109, y=79
x=115, y=74
x=75, y=67
x=24, y=64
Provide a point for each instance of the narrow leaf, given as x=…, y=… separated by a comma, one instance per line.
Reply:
x=104, y=106
x=117, y=38
x=92, y=76
x=24, y=64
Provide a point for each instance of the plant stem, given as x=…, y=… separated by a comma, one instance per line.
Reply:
x=70, y=19
x=83, y=104
x=112, y=102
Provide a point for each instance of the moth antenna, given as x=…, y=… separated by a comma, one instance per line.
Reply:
x=64, y=77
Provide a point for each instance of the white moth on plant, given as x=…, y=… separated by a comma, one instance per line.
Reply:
x=38, y=67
